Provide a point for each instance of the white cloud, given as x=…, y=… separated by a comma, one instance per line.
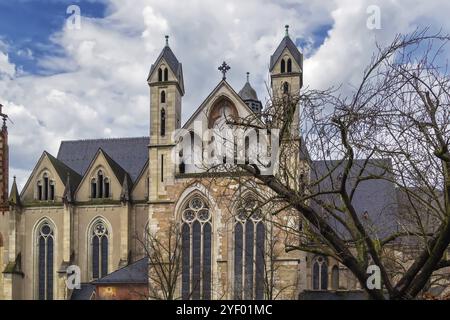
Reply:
x=100, y=88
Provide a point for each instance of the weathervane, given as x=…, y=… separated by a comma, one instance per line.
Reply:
x=224, y=68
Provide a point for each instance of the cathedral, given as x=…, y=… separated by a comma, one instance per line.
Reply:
x=93, y=204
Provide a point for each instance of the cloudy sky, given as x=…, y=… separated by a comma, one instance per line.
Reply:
x=59, y=83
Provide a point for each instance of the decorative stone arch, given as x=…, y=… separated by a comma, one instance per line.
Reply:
x=238, y=227
x=105, y=183
x=199, y=190
x=89, y=239
x=320, y=272
x=41, y=189
x=217, y=107
x=35, y=254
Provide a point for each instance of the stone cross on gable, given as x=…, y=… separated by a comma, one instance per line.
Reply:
x=224, y=68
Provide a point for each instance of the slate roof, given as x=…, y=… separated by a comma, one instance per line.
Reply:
x=134, y=273
x=248, y=93
x=84, y=293
x=375, y=199
x=173, y=63
x=130, y=154
x=290, y=45
x=63, y=171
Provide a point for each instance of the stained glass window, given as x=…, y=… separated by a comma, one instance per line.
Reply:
x=196, y=250
x=249, y=251
x=45, y=261
x=99, y=247
x=320, y=273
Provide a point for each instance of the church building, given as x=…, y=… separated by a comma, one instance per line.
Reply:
x=94, y=203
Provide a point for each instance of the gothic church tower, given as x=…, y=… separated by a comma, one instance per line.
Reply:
x=166, y=90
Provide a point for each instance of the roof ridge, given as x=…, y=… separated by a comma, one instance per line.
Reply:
x=106, y=139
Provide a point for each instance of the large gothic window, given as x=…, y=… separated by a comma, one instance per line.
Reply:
x=196, y=250
x=320, y=273
x=283, y=66
x=45, y=246
x=249, y=252
x=166, y=74
x=289, y=65
x=99, y=249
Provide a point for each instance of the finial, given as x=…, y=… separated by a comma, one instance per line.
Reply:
x=167, y=40
x=248, y=75
x=224, y=68
x=287, y=30
x=14, y=178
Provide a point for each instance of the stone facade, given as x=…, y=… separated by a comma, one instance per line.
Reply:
x=104, y=200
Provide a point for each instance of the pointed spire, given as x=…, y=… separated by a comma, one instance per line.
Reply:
x=14, y=198
x=67, y=195
x=287, y=30
x=167, y=40
x=125, y=194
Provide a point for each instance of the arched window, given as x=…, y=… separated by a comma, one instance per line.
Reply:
x=93, y=188
x=160, y=75
x=196, y=256
x=163, y=122
x=52, y=191
x=99, y=249
x=283, y=66
x=39, y=191
x=285, y=88
x=320, y=273
x=100, y=184
x=163, y=96
x=166, y=74
x=335, y=278
x=249, y=252
x=289, y=65
x=106, y=187
x=45, y=186
x=45, y=249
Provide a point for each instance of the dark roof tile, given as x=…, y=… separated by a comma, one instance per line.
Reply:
x=130, y=154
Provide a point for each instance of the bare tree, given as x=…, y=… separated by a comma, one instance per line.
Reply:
x=163, y=251
x=393, y=127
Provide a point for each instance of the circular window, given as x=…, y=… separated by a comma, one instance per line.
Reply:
x=46, y=230
x=196, y=204
x=189, y=215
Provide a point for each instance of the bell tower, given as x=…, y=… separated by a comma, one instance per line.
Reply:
x=166, y=91
x=286, y=74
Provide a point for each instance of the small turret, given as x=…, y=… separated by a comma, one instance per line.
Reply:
x=249, y=96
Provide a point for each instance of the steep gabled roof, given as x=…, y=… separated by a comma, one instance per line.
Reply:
x=290, y=45
x=119, y=172
x=176, y=67
x=131, y=154
x=134, y=273
x=211, y=95
x=63, y=171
